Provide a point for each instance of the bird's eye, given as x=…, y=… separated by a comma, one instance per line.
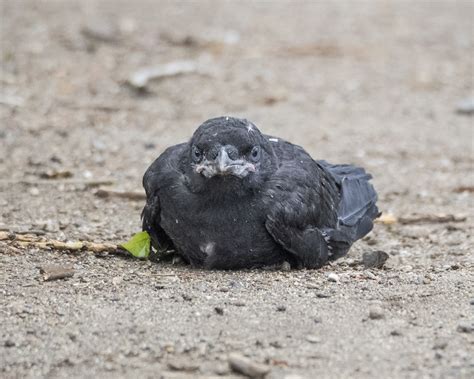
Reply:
x=196, y=154
x=255, y=154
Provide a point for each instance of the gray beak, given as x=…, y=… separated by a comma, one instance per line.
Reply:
x=224, y=165
x=223, y=162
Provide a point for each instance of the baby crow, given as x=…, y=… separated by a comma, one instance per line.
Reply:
x=234, y=198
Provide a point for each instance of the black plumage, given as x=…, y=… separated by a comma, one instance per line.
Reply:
x=234, y=198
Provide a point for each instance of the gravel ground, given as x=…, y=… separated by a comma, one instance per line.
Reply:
x=371, y=83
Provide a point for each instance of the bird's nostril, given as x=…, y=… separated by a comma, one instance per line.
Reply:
x=232, y=152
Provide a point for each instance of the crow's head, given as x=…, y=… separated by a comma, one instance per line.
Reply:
x=230, y=147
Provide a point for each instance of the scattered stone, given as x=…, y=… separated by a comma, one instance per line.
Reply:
x=140, y=79
x=313, y=339
x=276, y=344
x=34, y=191
x=100, y=31
x=221, y=369
x=472, y=302
x=293, y=376
x=56, y=272
x=376, y=313
x=219, y=310
x=186, y=297
x=183, y=365
x=374, y=259
x=465, y=107
x=285, y=266
x=247, y=367
x=9, y=343
x=440, y=344
x=395, y=333
x=323, y=295
x=370, y=275
x=281, y=308
x=465, y=328
x=332, y=277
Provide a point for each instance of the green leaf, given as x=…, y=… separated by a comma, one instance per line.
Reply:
x=138, y=245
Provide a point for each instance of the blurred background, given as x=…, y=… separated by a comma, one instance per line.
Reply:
x=91, y=92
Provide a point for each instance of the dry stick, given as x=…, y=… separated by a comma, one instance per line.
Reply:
x=26, y=240
x=431, y=218
x=131, y=195
x=87, y=183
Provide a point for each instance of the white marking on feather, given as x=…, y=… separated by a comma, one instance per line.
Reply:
x=273, y=139
x=249, y=128
x=227, y=118
x=177, y=221
x=208, y=248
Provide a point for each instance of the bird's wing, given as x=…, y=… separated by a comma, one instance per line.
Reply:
x=162, y=174
x=301, y=201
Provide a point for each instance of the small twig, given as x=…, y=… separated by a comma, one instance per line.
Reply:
x=26, y=240
x=464, y=189
x=86, y=183
x=430, y=218
x=131, y=195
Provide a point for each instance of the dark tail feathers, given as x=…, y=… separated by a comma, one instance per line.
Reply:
x=357, y=207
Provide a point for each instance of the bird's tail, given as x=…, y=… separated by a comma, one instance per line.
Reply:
x=357, y=206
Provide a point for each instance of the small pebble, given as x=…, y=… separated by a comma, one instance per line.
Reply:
x=332, y=277
x=370, y=275
x=9, y=343
x=465, y=328
x=281, y=308
x=182, y=365
x=395, y=333
x=285, y=266
x=276, y=344
x=376, y=313
x=313, y=339
x=219, y=310
x=34, y=191
x=374, y=259
x=323, y=295
x=440, y=345
x=465, y=107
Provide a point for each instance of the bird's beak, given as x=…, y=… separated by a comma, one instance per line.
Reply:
x=223, y=162
x=224, y=165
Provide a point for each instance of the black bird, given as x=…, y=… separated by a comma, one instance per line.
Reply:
x=234, y=198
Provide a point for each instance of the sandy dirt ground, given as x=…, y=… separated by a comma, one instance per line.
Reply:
x=375, y=83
